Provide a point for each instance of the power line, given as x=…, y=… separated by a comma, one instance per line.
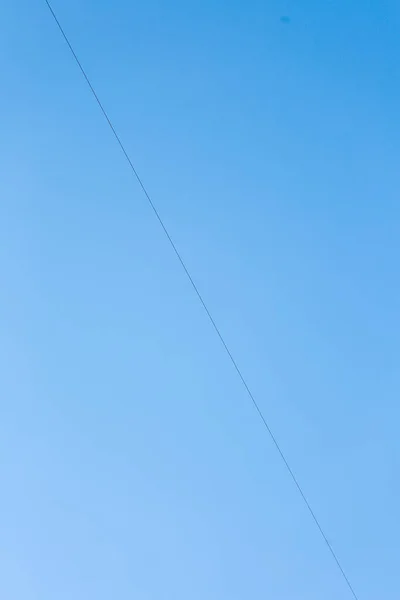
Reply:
x=204, y=305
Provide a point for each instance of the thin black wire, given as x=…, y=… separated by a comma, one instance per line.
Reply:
x=200, y=297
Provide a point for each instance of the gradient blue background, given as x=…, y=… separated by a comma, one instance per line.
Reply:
x=132, y=463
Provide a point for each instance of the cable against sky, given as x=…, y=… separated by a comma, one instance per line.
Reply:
x=205, y=307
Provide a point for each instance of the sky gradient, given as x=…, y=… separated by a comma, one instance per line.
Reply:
x=132, y=463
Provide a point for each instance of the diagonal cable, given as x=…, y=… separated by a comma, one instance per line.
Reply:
x=205, y=307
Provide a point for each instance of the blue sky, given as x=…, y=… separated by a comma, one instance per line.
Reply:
x=132, y=463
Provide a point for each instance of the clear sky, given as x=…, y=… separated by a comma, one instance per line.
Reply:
x=132, y=462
